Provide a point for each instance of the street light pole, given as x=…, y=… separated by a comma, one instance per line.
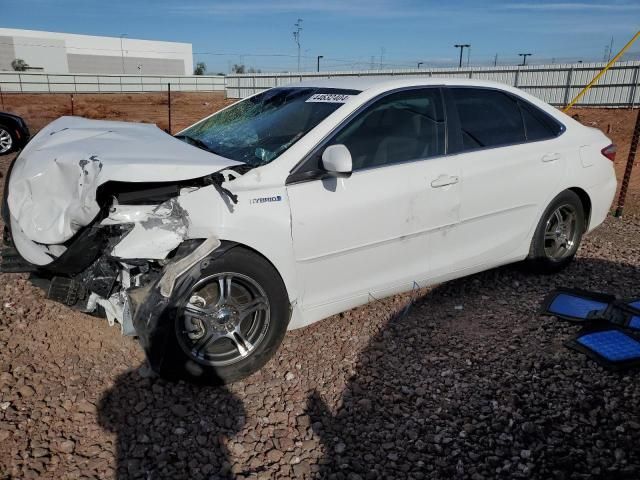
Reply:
x=122, y=35
x=420, y=63
x=524, y=57
x=319, y=57
x=461, y=47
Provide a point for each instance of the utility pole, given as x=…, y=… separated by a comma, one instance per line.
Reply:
x=461, y=47
x=381, y=56
x=122, y=35
x=296, y=37
x=524, y=57
x=319, y=57
x=420, y=63
x=495, y=60
x=610, y=50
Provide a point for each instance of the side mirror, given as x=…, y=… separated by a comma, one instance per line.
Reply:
x=336, y=160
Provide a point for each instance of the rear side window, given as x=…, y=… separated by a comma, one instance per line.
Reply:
x=488, y=118
x=537, y=124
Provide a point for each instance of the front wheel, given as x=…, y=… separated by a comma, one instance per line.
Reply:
x=230, y=323
x=558, y=234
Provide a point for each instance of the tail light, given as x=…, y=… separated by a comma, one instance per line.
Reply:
x=609, y=152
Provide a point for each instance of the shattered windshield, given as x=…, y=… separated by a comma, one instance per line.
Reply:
x=257, y=130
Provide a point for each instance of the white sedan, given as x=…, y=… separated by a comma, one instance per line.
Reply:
x=295, y=204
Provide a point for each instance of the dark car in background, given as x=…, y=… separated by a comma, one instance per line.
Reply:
x=14, y=133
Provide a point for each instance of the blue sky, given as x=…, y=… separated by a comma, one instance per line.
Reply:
x=349, y=33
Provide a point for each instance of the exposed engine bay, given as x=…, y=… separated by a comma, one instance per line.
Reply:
x=96, y=242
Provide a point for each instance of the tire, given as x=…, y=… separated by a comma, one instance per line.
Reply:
x=558, y=234
x=8, y=140
x=199, y=348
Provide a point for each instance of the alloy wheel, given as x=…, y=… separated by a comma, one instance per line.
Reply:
x=6, y=142
x=225, y=319
x=561, y=232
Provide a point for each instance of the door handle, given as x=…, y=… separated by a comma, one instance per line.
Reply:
x=444, y=180
x=550, y=157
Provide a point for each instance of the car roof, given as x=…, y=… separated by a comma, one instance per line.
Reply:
x=384, y=82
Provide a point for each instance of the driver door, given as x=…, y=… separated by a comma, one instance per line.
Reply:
x=356, y=238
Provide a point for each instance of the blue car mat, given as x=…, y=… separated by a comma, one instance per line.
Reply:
x=575, y=305
x=581, y=306
x=611, y=347
x=634, y=321
x=619, y=313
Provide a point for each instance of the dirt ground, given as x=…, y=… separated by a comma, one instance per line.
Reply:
x=617, y=124
x=39, y=109
x=470, y=382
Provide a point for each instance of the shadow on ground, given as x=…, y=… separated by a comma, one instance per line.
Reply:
x=471, y=383
x=170, y=430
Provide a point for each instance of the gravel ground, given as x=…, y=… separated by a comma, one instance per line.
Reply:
x=470, y=383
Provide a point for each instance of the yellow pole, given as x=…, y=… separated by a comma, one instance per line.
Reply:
x=597, y=77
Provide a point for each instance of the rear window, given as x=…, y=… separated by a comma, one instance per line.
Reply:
x=538, y=125
x=491, y=118
x=488, y=118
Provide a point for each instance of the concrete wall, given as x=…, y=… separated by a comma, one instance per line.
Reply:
x=71, y=53
x=46, y=53
x=7, y=52
x=80, y=63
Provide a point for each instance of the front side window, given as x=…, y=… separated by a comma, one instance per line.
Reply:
x=257, y=130
x=402, y=126
x=488, y=118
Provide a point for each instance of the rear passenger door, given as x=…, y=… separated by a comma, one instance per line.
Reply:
x=511, y=168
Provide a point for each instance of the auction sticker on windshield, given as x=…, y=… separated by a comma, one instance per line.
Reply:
x=328, y=98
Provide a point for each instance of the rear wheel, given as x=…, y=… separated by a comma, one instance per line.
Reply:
x=230, y=323
x=558, y=234
x=7, y=140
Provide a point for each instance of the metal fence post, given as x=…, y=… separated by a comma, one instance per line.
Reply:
x=20, y=80
x=567, y=91
x=169, y=103
x=634, y=87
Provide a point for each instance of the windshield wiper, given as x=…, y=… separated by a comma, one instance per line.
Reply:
x=195, y=142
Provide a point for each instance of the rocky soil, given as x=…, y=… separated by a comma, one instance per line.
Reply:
x=470, y=382
x=39, y=109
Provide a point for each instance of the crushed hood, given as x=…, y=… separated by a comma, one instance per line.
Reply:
x=53, y=183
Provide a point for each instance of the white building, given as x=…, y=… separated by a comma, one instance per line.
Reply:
x=70, y=53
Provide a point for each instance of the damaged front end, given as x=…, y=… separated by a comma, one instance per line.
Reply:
x=105, y=239
x=114, y=265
